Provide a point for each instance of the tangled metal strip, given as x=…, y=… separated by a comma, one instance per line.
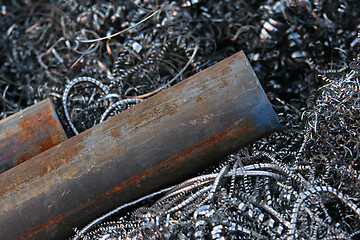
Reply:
x=123, y=104
x=80, y=233
x=307, y=194
x=74, y=82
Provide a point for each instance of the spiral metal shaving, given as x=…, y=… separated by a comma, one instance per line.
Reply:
x=95, y=60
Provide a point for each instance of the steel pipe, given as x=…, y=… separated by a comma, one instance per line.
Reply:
x=28, y=133
x=158, y=142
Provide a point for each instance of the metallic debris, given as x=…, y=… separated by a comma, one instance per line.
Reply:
x=302, y=52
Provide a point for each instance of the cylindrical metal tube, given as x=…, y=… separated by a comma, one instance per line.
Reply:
x=28, y=133
x=156, y=143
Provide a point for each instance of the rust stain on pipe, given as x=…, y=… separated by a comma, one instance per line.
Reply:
x=157, y=143
x=28, y=133
x=42, y=226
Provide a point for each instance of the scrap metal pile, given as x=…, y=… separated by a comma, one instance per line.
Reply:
x=97, y=59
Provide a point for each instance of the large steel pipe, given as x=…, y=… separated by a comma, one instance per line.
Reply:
x=157, y=143
x=28, y=133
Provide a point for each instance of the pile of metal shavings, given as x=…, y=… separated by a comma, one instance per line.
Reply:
x=96, y=59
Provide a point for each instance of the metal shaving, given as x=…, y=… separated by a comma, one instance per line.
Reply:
x=95, y=60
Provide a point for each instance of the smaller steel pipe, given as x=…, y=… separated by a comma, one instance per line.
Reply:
x=29, y=132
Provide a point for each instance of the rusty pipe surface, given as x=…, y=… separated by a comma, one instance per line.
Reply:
x=157, y=143
x=28, y=133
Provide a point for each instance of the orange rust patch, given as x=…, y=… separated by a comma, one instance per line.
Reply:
x=199, y=98
x=23, y=157
x=28, y=172
x=43, y=145
x=39, y=132
x=29, y=133
x=41, y=227
x=7, y=133
x=114, y=133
